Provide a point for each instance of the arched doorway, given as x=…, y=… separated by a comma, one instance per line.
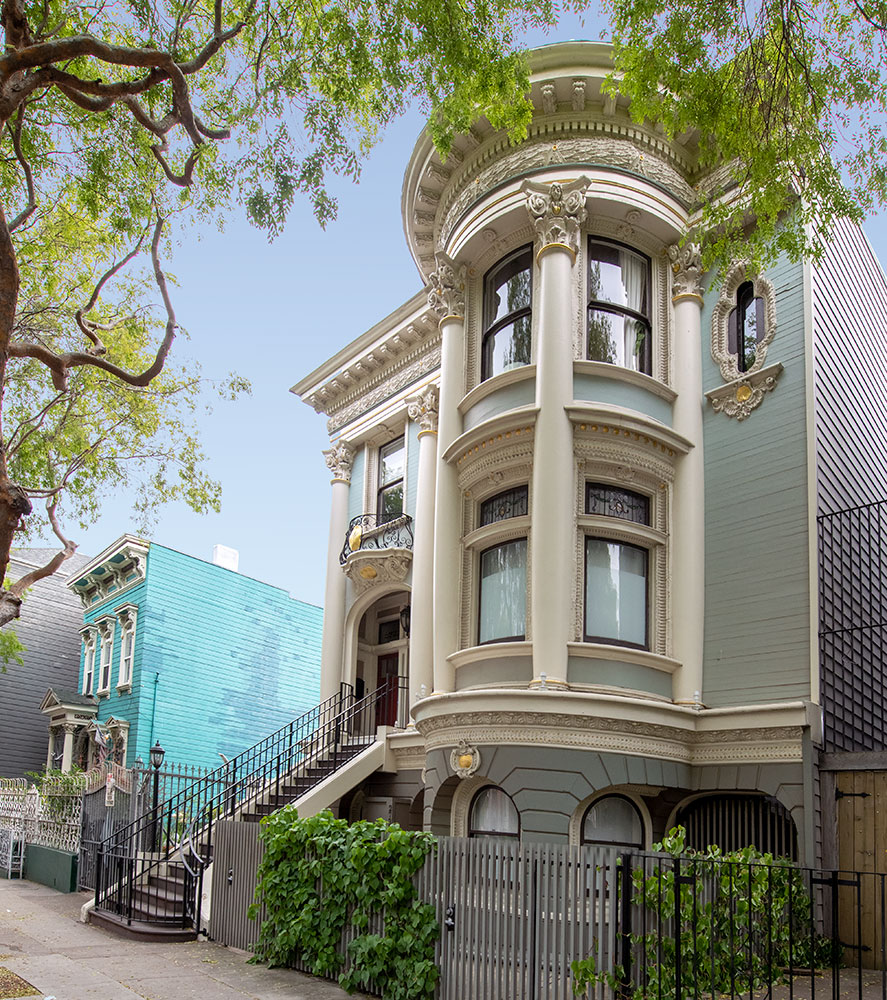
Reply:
x=382, y=657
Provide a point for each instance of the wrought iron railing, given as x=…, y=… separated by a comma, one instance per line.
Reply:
x=151, y=871
x=367, y=531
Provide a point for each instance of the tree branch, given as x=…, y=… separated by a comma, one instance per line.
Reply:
x=31, y=207
x=18, y=588
x=88, y=328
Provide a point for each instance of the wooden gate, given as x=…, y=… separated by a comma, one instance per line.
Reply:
x=861, y=805
x=515, y=916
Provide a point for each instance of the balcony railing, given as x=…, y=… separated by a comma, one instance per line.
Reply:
x=366, y=531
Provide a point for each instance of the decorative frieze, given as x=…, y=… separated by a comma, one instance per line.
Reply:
x=339, y=460
x=446, y=288
x=423, y=409
x=686, y=270
x=578, y=95
x=558, y=212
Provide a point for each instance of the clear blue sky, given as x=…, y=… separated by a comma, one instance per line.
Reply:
x=273, y=312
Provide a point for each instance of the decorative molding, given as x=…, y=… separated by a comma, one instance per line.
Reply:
x=602, y=369
x=408, y=758
x=720, y=319
x=740, y=397
x=577, y=94
x=558, y=212
x=368, y=567
x=340, y=460
x=610, y=735
x=385, y=384
x=127, y=615
x=464, y=760
x=446, y=288
x=549, y=98
x=686, y=270
x=423, y=408
x=116, y=570
x=462, y=799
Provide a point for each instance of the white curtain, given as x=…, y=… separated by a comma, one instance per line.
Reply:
x=493, y=812
x=634, y=278
x=503, y=591
x=615, y=591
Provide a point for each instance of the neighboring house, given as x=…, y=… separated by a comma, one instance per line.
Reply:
x=186, y=653
x=593, y=478
x=48, y=628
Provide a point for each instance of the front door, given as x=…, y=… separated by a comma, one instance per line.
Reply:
x=386, y=706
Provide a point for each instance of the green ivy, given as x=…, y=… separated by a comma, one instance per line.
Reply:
x=318, y=874
x=744, y=919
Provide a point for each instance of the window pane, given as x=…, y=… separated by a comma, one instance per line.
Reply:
x=617, y=339
x=617, y=275
x=508, y=293
x=613, y=820
x=493, y=813
x=511, y=503
x=615, y=591
x=507, y=348
x=390, y=503
x=391, y=462
x=503, y=592
x=613, y=502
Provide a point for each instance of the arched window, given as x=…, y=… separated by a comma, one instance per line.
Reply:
x=508, y=306
x=745, y=326
x=493, y=814
x=736, y=821
x=613, y=821
x=619, y=328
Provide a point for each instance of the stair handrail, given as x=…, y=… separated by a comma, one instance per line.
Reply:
x=204, y=806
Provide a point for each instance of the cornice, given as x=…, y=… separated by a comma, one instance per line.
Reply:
x=119, y=568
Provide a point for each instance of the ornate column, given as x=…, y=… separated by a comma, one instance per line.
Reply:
x=688, y=506
x=558, y=212
x=446, y=296
x=68, y=729
x=423, y=409
x=339, y=460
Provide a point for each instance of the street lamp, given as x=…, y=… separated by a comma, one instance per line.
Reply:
x=405, y=620
x=157, y=754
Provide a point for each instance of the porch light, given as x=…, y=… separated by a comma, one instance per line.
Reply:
x=405, y=620
x=157, y=755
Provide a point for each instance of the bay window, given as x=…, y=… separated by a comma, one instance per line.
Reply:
x=619, y=328
x=507, y=317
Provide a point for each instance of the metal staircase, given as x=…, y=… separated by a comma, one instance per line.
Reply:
x=149, y=875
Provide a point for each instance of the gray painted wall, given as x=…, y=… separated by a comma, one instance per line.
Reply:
x=757, y=586
x=48, y=627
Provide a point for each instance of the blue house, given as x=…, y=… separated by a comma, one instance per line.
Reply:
x=187, y=653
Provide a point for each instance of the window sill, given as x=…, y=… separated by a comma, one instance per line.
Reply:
x=602, y=526
x=740, y=396
x=629, y=376
x=490, y=385
x=490, y=651
x=628, y=654
x=103, y=693
x=122, y=688
x=500, y=531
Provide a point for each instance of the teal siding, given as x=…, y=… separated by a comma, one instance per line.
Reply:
x=412, y=442
x=757, y=586
x=594, y=389
x=221, y=660
x=355, y=493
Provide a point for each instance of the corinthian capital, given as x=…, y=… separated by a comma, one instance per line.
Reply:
x=339, y=460
x=446, y=288
x=557, y=211
x=686, y=269
x=423, y=408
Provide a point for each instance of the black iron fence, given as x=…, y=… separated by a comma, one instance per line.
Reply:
x=151, y=870
x=690, y=927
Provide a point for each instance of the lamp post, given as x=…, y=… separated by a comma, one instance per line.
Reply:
x=157, y=754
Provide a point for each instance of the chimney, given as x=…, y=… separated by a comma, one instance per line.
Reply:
x=228, y=558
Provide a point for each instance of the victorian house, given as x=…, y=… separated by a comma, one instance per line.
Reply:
x=179, y=651
x=575, y=488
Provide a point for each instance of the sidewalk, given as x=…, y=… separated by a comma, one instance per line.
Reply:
x=42, y=941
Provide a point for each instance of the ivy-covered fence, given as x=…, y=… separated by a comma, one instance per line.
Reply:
x=339, y=900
